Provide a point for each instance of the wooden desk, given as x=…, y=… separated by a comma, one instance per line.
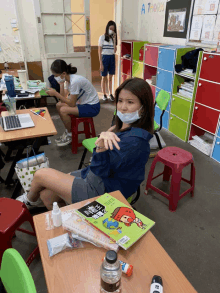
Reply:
x=79, y=270
x=13, y=72
x=42, y=127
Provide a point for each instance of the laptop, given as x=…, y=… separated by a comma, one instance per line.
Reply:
x=15, y=122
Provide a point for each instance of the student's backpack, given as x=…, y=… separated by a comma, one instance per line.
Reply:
x=54, y=84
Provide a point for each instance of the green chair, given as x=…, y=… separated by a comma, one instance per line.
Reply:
x=15, y=274
x=161, y=101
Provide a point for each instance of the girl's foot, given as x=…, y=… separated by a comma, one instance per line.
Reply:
x=105, y=98
x=111, y=98
x=30, y=204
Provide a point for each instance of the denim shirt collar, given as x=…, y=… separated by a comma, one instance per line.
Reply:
x=134, y=131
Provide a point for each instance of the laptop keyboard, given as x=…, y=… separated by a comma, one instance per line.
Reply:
x=12, y=122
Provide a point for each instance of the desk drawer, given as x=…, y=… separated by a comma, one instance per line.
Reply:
x=208, y=93
x=164, y=80
x=210, y=67
x=151, y=55
x=180, y=108
x=205, y=118
x=178, y=127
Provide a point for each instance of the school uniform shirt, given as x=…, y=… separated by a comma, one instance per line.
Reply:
x=123, y=169
x=82, y=87
x=107, y=47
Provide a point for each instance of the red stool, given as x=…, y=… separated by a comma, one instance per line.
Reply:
x=174, y=159
x=88, y=123
x=13, y=214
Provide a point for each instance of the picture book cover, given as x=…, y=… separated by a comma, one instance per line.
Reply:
x=40, y=112
x=117, y=220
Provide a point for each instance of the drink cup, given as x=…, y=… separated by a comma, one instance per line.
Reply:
x=23, y=78
x=10, y=104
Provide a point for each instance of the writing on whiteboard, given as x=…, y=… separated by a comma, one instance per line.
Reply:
x=157, y=7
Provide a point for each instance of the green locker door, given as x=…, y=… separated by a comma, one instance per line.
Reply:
x=180, y=108
x=178, y=127
x=137, y=69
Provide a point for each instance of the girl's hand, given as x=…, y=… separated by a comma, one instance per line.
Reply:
x=51, y=92
x=101, y=68
x=108, y=139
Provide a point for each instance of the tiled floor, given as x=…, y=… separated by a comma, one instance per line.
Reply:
x=190, y=235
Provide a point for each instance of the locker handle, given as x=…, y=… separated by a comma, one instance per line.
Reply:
x=200, y=84
x=171, y=118
x=196, y=108
x=158, y=72
x=205, y=58
x=173, y=99
x=218, y=142
x=159, y=52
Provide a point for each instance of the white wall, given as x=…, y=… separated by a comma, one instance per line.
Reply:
x=26, y=33
x=148, y=26
x=28, y=28
x=130, y=20
x=11, y=51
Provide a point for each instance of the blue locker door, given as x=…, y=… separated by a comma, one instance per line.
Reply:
x=164, y=80
x=166, y=59
x=165, y=117
x=218, y=132
x=216, y=150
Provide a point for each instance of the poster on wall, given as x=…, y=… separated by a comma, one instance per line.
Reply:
x=208, y=27
x=211, y=6
x=217, y=29
x=196, y=27
x=199, y=7
x=176, y=20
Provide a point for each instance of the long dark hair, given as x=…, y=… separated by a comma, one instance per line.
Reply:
x=107, y=36
x=60, y=66
x=141, y=89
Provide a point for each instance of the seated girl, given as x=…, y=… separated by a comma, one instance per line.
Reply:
x=118, y=161
x=78, y=98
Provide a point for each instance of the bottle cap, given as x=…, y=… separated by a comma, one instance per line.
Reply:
x=55, y=206
x=111, y=256
x=129, y=271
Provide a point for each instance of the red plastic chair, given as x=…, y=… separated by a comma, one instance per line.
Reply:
x=89, y=130
x=174, y=159
x=13, y=214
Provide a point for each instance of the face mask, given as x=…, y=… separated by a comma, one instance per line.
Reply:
x=129, y=118
x=59, y=79
x=110, y=32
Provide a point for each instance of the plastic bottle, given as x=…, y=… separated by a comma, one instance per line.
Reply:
x=56, y=215
x=110, y=273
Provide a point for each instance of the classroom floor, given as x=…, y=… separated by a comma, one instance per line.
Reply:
x=190, y=235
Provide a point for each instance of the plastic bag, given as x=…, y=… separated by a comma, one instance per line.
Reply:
x=62, y=242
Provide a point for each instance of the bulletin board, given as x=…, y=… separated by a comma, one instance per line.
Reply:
x=205, y=22
x=177, y=18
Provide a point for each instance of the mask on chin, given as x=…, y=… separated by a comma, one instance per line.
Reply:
x=59, y=79
x=129, y=118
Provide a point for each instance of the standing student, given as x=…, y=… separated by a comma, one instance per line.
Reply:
x=107, y=49
x=78, y=97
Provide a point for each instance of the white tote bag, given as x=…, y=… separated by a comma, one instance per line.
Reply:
x=26, y=174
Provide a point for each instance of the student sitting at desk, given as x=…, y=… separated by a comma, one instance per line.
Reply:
x=118, y=162
x=78, y=97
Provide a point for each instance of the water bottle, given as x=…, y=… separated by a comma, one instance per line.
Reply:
x=110, y=273
x=56, y=215
x=9, y=81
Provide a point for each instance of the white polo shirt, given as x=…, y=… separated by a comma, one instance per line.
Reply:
x=82, y=87
x=107, y=47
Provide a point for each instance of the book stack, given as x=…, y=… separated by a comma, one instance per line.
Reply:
x=203, y=143
x=186, y=89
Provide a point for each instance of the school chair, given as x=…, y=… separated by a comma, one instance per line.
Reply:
x=13, y=214
x=14, y=273
x=162, y=101
x=89, y=130
x=174, y=160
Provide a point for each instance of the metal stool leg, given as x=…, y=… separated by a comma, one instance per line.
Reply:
x=82, y=159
